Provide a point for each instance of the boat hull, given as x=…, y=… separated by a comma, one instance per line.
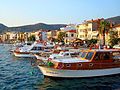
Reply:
x=27, y=55
x=51, y=72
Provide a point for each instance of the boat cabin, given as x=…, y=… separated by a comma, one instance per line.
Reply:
x=65, y=54
x=90, y=59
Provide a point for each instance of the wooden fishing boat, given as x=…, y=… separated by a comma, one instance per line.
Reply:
x=89, y=63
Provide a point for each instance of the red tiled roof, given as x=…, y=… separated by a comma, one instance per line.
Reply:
x=72, y=31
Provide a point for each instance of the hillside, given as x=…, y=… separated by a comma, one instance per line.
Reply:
x=30, y=28
x=2, y=27
x=115, y=20
x=35, y=27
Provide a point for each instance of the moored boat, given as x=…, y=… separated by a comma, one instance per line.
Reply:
x=45, y=56
x=90, y=63
x=36, y=47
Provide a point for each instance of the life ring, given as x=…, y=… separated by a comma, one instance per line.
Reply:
x=17, y=49
x=60, y=66
x=55, y=46
x=49, y=59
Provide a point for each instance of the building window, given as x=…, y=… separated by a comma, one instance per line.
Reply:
x=89, y=29
x=68, y=65
x=72, y=35
x=81, y=36
x=66, y=41
x=66, y=35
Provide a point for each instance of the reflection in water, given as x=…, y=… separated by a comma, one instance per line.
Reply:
x=97, y=83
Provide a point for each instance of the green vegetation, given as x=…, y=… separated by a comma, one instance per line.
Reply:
x=31, y=38
x=92, y=41
x=50, y=64
x=113, y=38
x=104, y=29
x=61, y=36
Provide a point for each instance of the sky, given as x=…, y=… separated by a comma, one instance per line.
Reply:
x=25, y=12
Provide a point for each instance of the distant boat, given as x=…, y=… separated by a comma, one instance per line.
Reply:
x=29, y=51
x=18, y=45
x=90, y=63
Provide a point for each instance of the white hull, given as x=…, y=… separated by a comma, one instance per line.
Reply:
x=24, y=55
x=44, y=59
x=77, y=73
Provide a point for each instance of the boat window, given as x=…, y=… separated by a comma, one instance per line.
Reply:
x=34, y=48
x=97, y=56
x=89, y=55
x=79, y=65
x=29, y=43
x=48, y=47
x=83, y=54
x=74, y=54
x=66, y=54
x=68, y=65
x=106, y=56
x=80, y=54
x=116, y=55
x=39, y=48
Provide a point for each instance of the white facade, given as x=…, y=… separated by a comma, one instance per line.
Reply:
x=69, y=27
x=87, y=31
x=41, y=35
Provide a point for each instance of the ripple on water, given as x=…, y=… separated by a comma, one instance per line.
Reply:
x=18, y=74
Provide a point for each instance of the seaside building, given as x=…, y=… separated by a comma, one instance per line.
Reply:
x=70, y=33
x=88, y=29
x=117, y=28
x=52, y=34
x=41, y=35
x=8, y=37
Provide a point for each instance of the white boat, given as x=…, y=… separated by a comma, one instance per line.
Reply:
x=36, y=47
x=49, y=55
x=90, y=63
x=18, y=45
x=116, y=46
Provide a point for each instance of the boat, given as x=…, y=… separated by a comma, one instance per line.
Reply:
x=36, y=47
x=62, y=54
x=116, y=46
x=18, y=45
x=90, y=63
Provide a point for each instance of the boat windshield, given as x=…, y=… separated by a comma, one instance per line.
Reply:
x=83, y=54
x=89, y=55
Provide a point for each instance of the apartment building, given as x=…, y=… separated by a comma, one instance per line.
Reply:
x=88, y=29
x=70, y=33
x=117, y=28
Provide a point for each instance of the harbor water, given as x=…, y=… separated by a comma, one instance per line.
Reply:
x=19, y=74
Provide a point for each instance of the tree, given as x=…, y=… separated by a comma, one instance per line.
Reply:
x=31, y=38
x=113, y=38
x=92, y=41
x=61, y=36
x=104, y=29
